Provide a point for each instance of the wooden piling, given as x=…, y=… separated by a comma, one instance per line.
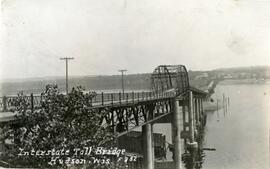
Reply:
x=223, y=104
x=217, y=110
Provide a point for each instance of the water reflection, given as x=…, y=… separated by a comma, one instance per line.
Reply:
x=193, y=159
x=240, y=132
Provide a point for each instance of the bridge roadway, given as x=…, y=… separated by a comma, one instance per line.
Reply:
x=99, y=101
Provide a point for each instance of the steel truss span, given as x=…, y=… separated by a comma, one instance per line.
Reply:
x=170, y=78
x=122, y=119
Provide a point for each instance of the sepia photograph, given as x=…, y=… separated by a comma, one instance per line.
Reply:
x=145, y=84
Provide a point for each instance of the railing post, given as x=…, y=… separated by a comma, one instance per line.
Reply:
x=95, y=99
x=120, y=97
x=142, y=95
x=32, y=102
x=127, y=97
x=4, y=103
x=102, y=99
x=112, y=98
x=133, y=97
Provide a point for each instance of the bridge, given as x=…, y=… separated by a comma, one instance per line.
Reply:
x=170, y=97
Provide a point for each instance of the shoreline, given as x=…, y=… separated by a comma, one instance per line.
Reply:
x=244, y=81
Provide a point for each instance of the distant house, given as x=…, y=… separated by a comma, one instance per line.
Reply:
x=201, y=76
x=228, y=76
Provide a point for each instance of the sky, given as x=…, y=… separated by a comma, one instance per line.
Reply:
x=138, y=35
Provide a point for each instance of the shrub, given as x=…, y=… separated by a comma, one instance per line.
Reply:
x=61, y=121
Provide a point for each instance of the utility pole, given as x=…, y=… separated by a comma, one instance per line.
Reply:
x=66, y=59
x=122, y=73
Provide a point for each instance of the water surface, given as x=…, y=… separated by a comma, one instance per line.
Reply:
x=240, y=136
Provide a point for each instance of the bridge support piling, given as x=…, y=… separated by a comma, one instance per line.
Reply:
x=192, y=144
x=176, y=123
x=148, y=159
x=202, y=113
x=202, y=106
x=199, y=107
x=184, y=120
x=196, y=112
x=199, y=112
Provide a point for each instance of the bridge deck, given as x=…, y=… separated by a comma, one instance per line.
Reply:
x=101, y=100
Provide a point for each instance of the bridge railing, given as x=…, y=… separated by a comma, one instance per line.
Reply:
x=100, y=99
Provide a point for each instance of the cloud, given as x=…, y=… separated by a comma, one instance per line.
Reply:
x=104, y=36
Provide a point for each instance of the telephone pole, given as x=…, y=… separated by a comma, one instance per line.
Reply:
x=66, y=59
x=122, y=73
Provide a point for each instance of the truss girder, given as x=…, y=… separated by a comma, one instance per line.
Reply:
x=170, y=77
x=122, y=119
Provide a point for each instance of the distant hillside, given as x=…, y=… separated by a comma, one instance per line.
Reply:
x=243, y=68
x=113, y=82
x=253, y=69
x=255, y=72
x=132, y=82
x=198, y=79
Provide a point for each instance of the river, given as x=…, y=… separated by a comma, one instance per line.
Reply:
x=240, y=136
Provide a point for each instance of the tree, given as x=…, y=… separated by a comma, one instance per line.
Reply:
x=61, y=121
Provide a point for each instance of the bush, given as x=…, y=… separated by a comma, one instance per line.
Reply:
x=61, y=121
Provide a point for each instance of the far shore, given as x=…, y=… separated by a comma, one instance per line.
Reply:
x=244, y=81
